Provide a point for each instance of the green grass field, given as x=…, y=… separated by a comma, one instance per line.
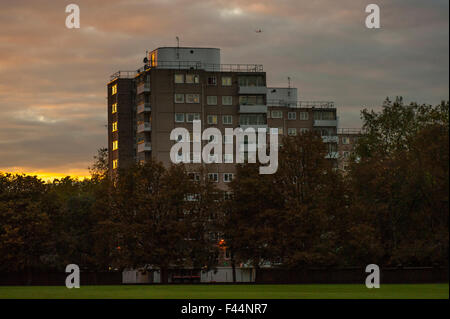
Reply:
x=388, y=291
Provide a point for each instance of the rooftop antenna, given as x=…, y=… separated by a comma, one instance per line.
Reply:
x=289, y=82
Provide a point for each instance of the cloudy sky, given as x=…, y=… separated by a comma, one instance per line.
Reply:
x=53, y=80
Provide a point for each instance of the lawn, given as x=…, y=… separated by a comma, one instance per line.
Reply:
x=387, y=291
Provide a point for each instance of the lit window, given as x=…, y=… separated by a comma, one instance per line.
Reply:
x=211, y=100
x=190, y=117
x=304, y=116
x=192, y=98
x=115, y=164
x=212, y=80
x=179, y=78
x=212, y=119
x=115, y=145
x=179, y=117
x=179, y=98
x=277, y=114
x=292, y=131
x=292, y=115
x=114, y=108
x=227, y=100
x=213, y=177
x=280, y=130
x=227, y=119
x=114, y=126
x=192, y=78
x=226, y=80
x=227, y=177
x=114, y=89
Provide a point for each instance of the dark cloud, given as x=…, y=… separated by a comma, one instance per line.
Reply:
x=52, y=80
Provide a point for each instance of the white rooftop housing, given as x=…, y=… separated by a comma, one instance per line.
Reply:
x=185, y=57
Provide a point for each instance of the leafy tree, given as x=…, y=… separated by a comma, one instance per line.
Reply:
x=400, y=182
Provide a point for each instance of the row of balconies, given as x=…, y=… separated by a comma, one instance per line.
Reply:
x=142, y=88
x=144, y=147
x=143, y=107
x=144, y=127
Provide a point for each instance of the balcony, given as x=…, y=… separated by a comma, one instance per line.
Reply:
x=330, y=139
x=143, y=107
x=144, y=147
x=255, y=126
x=144, y=127
x=252, y=108
x=325, y=123
x=142, y=87
x=252, y=90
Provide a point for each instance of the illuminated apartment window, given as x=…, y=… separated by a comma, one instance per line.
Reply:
x=226, y=80
x=115, y=164
x=192, y=98
x=114, y=89
x=115, y=145
x=192, y=78
x=227, y=100
x=114, y=126
x=227, y=119
x=179, y=98
x=114, y=108
x=211, y=100
x=179, y=78
x=179, y=117
x=212, y=119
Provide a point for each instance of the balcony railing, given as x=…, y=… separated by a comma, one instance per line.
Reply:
x=350, y=131
x=123, y=75
x=255, y=126
x=143, y=107
x=252, y=90
x=144, y=127
x=302, y=104
x=330, y=138
x=142, y=87
x=326, y=123
x=198, y=65
x=243, y=108
x=144, y=147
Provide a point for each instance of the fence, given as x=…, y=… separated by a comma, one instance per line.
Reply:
x=352, y=275
x=59, y=278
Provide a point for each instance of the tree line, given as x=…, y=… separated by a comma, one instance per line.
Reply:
x=390, y=208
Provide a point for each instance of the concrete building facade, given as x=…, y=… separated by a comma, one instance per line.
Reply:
x=177, y=85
